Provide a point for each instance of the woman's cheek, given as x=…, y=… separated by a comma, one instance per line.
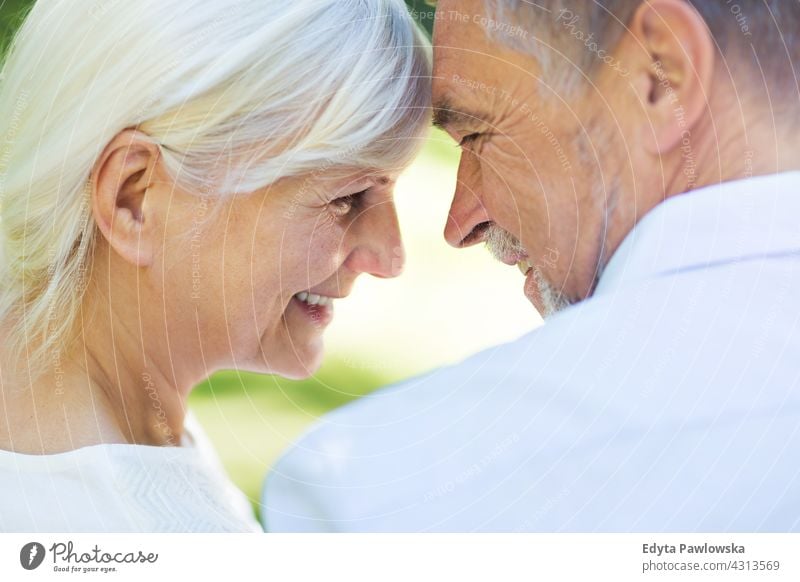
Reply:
x=324, y=254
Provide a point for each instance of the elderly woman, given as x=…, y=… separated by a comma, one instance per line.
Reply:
x=187, y=185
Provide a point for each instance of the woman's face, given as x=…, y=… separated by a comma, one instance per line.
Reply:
x=256, y=278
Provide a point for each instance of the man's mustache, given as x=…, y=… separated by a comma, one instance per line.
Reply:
x=502, y=243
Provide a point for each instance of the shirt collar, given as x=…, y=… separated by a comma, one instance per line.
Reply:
x=716, y=225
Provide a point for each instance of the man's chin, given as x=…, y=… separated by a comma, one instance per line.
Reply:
x=546, y=298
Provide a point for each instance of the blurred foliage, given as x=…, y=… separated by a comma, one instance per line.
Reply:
x=337, y=383
x=251, y=418
x=12, y=13
x=423, y=11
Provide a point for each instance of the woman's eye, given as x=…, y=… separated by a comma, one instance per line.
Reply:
x=344, y=205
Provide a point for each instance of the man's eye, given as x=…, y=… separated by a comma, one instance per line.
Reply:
x=344, y=205
x=468, y=139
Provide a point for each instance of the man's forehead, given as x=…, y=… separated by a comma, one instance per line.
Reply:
x=460, y=46
x=476, y=76
x=463, y=44
x=456, y=80
x=457, y=24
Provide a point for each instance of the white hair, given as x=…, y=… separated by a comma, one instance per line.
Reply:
x=237, y=93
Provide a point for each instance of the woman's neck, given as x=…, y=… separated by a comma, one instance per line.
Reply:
x=92, y=397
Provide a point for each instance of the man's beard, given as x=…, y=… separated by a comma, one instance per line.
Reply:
x=502, y=243
x=553, y=300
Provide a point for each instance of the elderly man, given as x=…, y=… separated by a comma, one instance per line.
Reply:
x=638, y=161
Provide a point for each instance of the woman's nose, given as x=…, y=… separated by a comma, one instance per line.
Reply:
x=378, y=245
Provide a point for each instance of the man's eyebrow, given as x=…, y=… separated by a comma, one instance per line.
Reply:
x=445, y=115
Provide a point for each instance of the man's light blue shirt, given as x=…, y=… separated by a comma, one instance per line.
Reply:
x=666, y=402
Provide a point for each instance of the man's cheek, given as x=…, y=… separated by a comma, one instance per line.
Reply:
x=504, y=205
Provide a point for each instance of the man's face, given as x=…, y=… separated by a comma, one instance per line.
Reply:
x=528, y=181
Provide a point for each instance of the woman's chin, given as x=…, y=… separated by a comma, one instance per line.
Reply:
x=314, y=355
x=296, y=363
x=297, y=349
x=301, y=369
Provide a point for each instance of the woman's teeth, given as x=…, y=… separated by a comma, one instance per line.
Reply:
x=312, y=299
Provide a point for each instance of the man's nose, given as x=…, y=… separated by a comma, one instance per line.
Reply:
x=378, y=248
x=467, y=220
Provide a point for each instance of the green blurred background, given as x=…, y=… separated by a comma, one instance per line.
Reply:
x=447, y=305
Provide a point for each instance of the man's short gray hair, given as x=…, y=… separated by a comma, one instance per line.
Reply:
x=583, y=33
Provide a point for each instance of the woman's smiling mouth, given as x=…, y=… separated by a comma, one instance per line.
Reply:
x=313, y=299
x=318, y=308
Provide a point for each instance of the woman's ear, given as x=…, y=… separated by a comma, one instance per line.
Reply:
x=675, y=72
x=121, y=182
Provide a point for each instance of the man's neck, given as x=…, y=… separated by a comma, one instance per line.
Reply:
x=728, y=151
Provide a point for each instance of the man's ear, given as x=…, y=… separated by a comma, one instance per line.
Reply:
x=675, y=71
x=120, y=182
